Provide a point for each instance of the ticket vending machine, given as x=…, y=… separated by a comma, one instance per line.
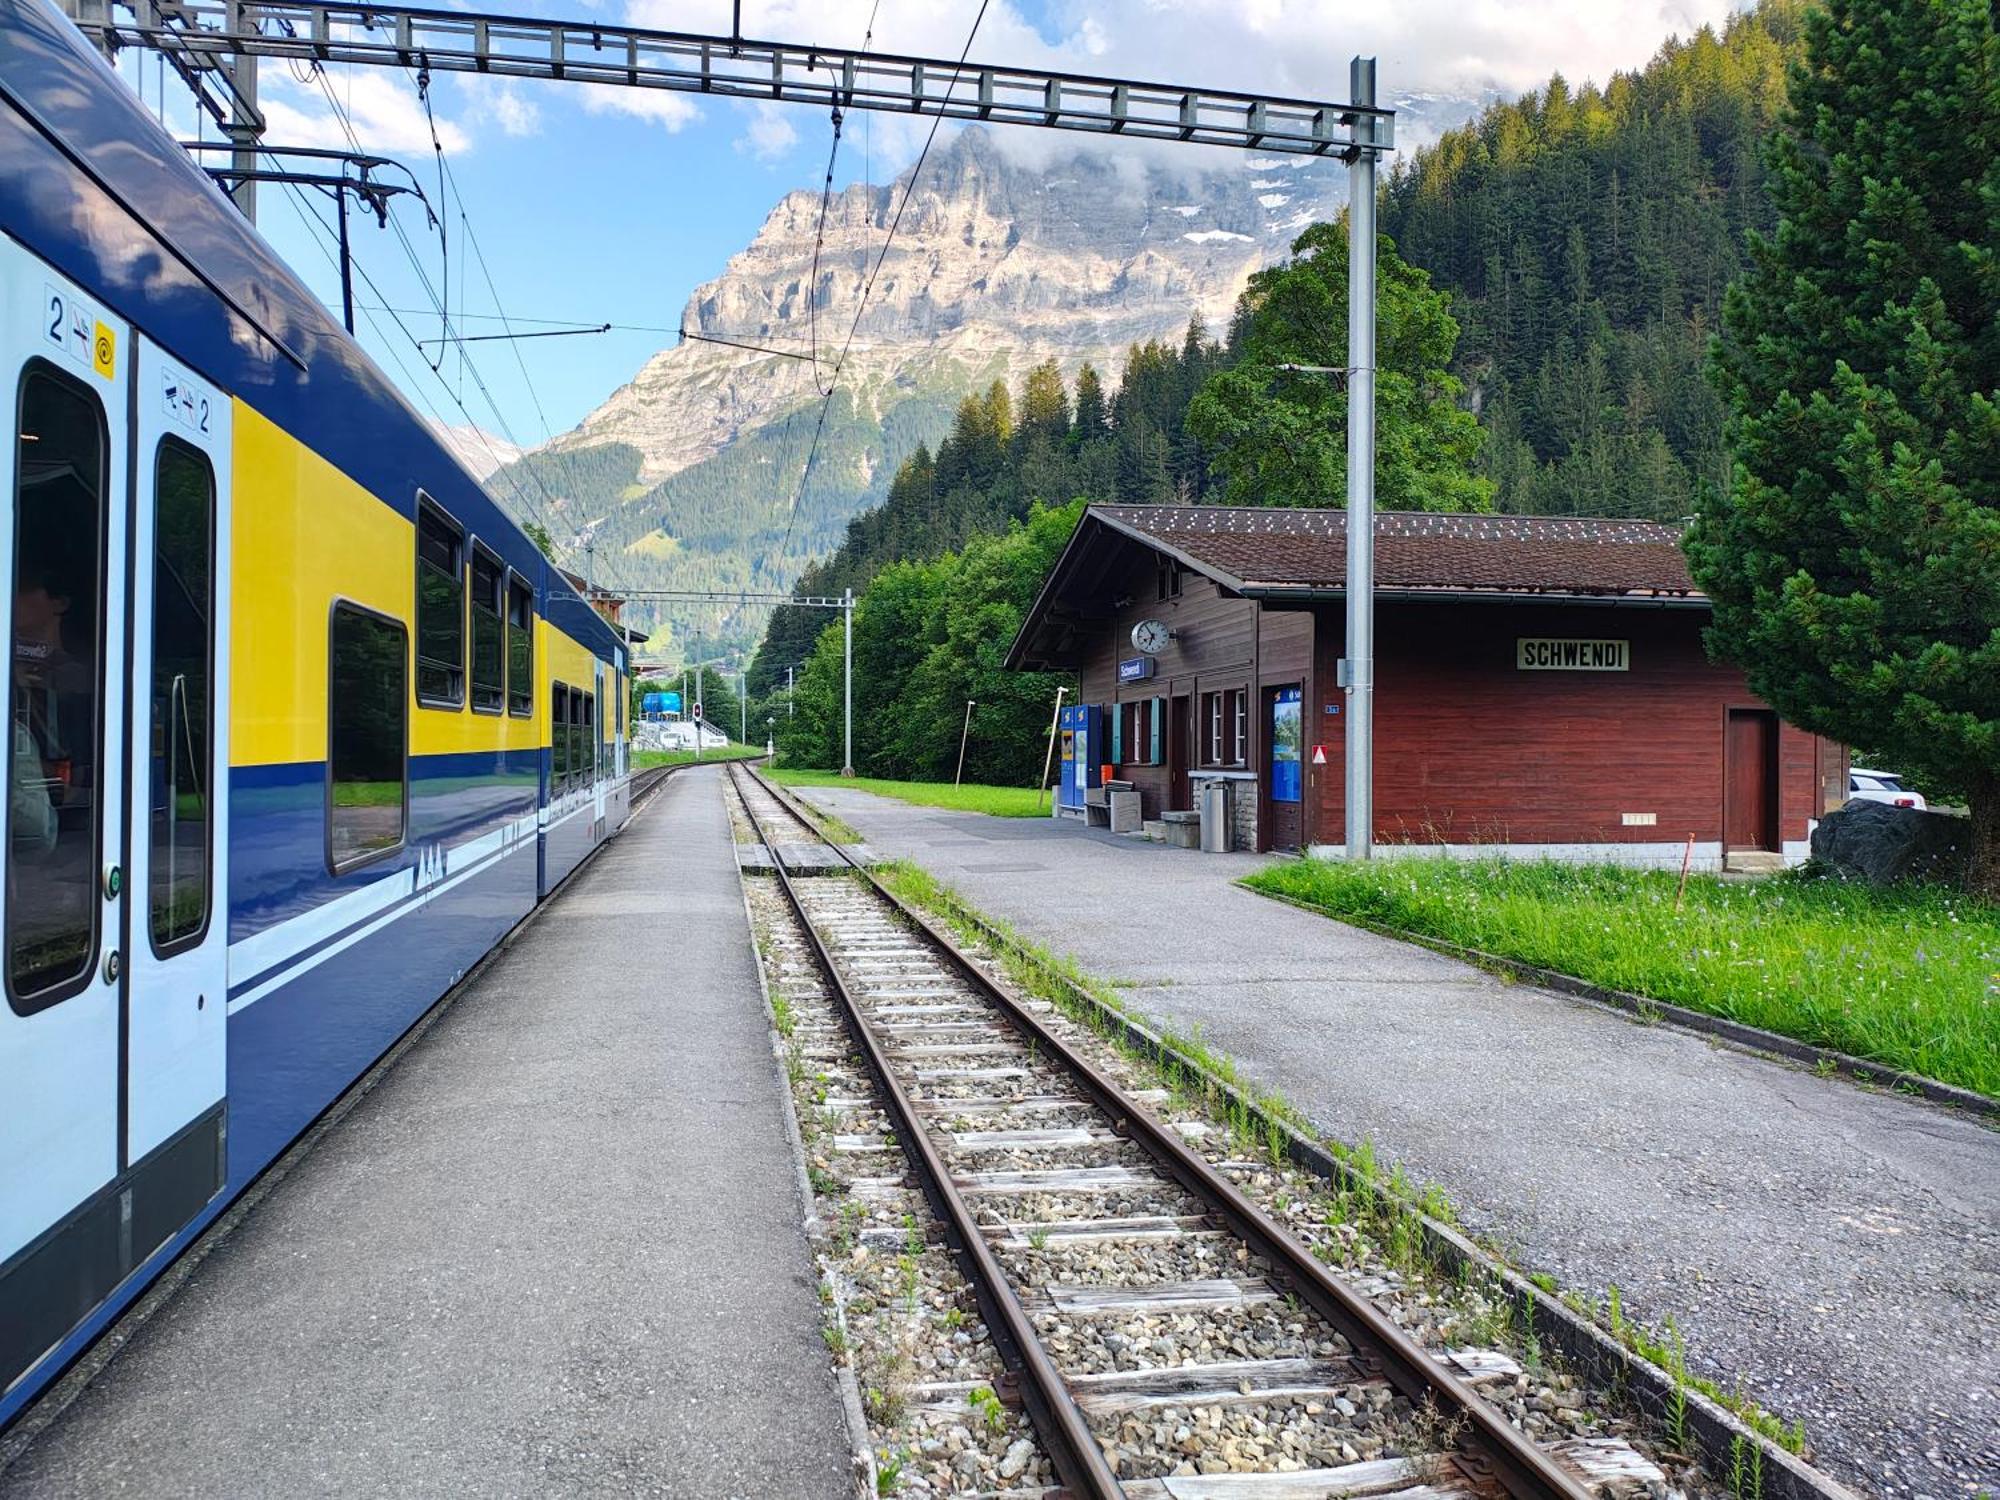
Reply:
x=1082, y=730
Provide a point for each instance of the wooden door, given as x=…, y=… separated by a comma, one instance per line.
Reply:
x=1750, y=780
x=1180, y=751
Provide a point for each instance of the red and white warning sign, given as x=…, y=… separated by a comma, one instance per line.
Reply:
x=1319, y=755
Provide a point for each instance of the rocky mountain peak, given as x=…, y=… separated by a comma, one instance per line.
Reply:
x=996, y=265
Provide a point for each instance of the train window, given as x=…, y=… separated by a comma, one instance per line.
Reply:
x=55, y=724
x=440, y=607
x=178, y=844
x=367, y=736
x=558, y=740
x=489, y=631
x=577, y=774
x=520, y=648
x=590, y=767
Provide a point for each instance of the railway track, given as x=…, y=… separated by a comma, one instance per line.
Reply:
x=1049, y=1181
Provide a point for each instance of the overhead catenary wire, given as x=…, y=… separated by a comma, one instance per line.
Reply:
x=544, y=517
x=819, y=241
x=311, y=217
x=541, y=515
x=757, y=341
x=868, y=287
x=560, y=457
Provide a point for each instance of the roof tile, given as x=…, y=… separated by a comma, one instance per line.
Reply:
x=1421, y=550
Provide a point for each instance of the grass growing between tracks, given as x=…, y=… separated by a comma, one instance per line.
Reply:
x=1379, y=1200
x=1908, y=978
x=994, y=801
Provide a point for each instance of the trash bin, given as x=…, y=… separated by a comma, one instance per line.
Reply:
x=1215, y=818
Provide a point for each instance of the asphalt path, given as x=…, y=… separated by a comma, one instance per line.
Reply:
x=1835, y=1251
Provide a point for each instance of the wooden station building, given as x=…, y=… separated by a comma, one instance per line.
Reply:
x=1541, y=685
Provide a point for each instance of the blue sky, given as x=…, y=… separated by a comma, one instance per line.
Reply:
x=602, y=205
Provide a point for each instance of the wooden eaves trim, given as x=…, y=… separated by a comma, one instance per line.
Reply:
x=1071, y=560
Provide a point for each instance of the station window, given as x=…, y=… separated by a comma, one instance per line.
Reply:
x=368, y=736
x=1225, y=740
x=520, y=648
x=489, y=645
x=558, y=740
x=440, y=606
x=1138, y=733
x=183, y=636
x=56, y=702
x=1166, y=578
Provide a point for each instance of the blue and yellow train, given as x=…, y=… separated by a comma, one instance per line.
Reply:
x=301, y=724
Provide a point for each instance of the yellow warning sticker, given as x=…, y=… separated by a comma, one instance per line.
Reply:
x=104, y=352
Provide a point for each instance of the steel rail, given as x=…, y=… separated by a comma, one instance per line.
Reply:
x=1072, y=1447
x=1503, y=1454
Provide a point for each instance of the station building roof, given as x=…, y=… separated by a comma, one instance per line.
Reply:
x=1277, y=555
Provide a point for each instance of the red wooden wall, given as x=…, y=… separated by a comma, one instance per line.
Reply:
x=1470, y=749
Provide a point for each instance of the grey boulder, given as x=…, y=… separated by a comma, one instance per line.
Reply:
x=1880, y=844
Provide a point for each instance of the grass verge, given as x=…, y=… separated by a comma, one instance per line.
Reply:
x=995, y=801
x=1908, y=978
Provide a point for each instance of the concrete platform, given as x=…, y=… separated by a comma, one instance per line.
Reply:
x=556, y=1251
x=1837, y=1249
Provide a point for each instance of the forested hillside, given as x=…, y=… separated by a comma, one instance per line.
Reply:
x=1586, y=238
x=1005, y=452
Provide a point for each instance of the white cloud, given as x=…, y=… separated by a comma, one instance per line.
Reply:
x=505, y=102
x=672, y=111
x=771, y=133
x=382, y=107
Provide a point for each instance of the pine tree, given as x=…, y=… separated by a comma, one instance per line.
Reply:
x=1044, y=405
x=1280, y=439
x=1855, y=560
x=1092, y=423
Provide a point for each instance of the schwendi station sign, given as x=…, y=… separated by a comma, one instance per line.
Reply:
x=1566, y=654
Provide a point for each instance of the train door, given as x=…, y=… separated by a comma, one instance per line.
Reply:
x=594, y=728
x=178, y=703
x=65, y=365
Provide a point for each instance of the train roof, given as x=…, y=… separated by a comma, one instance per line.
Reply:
x=95, y=186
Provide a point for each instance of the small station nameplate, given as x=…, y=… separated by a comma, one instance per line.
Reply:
x=1562, y=654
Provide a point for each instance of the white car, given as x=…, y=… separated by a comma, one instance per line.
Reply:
x=1881, y=786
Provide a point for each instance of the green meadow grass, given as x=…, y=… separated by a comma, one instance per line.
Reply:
x=1908, y=979
x=997, y=801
